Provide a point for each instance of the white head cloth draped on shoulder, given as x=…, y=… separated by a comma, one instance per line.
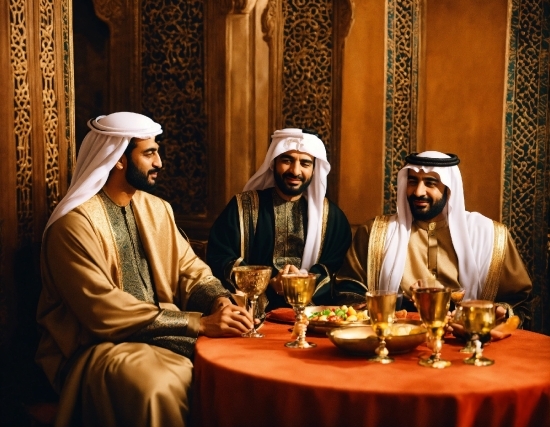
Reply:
x=101, y=148
x=295, y=139
x=471, y=232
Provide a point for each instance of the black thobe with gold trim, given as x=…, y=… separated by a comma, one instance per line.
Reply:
x=277, y=239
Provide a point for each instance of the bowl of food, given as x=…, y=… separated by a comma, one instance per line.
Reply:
x=406, y=336
x=324, y=318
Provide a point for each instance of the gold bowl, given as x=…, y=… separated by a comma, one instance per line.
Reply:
x=362, y=340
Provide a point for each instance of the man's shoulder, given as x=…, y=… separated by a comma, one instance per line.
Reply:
x=144, y=198
x=476, y=220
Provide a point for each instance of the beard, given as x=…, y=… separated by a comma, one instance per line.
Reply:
x=433, y=210
x=291, y=191
x=138, y=179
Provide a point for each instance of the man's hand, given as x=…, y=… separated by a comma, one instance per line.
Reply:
x=226, y=319
x=277, y=282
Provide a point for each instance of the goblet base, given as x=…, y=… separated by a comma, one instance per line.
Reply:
x=384, y=360
x=252, y=334
x=299, y=344
x=479, y=361
x=432, y=362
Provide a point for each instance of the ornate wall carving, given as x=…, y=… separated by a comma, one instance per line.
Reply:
x=525, y=201
x=49, y=102
x=22, y=116
x=307, y=66
x=403, y=24
x=37, y=143
x=173, y=85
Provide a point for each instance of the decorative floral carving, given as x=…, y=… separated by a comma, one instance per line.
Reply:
x=173, y=94
x=307, y=66
x=22, y=119
x=401, y=91
x=50, y=125
x=526, y=169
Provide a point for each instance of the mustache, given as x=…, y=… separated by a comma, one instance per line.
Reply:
x=292, y=176
x=154, y=170
x=414, y=198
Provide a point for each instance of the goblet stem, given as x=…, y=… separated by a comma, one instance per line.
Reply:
x=468, y=348
x=477, y=359
x=300, y=326
x=435, y=361
x=253, y=333
x=382, y=352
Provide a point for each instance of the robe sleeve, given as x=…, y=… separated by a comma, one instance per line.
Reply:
x=224, y=244
x=350, y=283
x=336, y=244
x=515, y=285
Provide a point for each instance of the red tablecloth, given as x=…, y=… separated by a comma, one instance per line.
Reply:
x=260, y=382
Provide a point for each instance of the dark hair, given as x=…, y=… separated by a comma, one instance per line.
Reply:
x=131, y=145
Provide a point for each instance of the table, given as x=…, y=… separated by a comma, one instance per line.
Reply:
x=259, y=382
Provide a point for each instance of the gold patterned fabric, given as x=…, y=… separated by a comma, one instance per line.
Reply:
x=289, y=231
x=136, y=279
x=96, y=342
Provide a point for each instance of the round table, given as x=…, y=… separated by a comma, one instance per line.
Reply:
x=260, y=382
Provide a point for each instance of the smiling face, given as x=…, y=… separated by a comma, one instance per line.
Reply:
x=293, y=172
x=427, y=195
x=143, y=164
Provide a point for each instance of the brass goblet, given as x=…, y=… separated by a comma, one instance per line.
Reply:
x=478, y=317
x=253, y=281
x=432, y=305
x=298, y=290
x=381, y=306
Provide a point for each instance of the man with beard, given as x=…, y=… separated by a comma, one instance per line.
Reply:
x=282, y=219
x=432, y=236
x=124, y=296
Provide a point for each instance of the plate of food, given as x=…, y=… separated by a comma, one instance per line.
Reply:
x=324, y=318
x=407, y=334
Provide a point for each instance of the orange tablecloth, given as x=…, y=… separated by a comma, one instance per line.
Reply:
x=259, y=382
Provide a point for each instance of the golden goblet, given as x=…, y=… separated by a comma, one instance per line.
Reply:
x=298, y=290
x=478, y=317
x=381, y=306
x=432, y=305
x=253, y=281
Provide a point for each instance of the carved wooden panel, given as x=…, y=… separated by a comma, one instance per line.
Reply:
x=173, y=84
x=19, y=37
x=307, y=66
x=403, y=32
x=37, y=127
x=526, y=189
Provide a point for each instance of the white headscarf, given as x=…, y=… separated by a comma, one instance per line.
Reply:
x=294, y=139
x=101, y=149
x=471, y=232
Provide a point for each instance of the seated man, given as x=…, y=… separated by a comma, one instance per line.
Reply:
x=123, y=293
x=433, y=236
x=283, y=220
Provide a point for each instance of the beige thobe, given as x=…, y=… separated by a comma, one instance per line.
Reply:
x=87, y=319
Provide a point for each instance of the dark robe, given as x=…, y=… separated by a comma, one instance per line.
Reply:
x=224, y=247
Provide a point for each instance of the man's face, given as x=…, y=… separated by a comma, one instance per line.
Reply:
x=143, y=165
x=293, y=172
x=427, y=195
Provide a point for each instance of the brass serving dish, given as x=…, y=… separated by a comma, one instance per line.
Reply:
x=362, y=339
x=324, y=326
